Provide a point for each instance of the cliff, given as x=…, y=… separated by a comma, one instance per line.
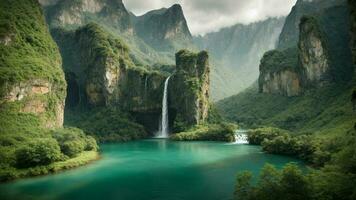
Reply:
x=32, y=85
x=235, y=54
x=73, y=14
x=189, y=88
x=100, y=70
x=289, y=36
x=280, y=73
x=164, y=29
x=323, y=55
x=313, y=52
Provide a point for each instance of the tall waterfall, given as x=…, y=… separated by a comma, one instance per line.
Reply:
x=164, y=126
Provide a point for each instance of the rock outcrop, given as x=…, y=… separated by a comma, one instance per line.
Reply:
x=73, y=14
x=313, y=52
x=236, y=52
x=32, y=87
x=164, y=29
x=189, y=88
x=289, y=36
x=98, y=64
x=323, y=55
x=280, y=73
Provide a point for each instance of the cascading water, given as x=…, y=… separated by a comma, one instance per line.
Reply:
x=241, y=137
x=164, y=126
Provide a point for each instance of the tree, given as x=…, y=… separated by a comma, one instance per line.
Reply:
x=43, y=151
x=243, y=189
x=294, y=184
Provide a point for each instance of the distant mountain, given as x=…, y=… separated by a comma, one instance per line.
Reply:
x=305, y=88
x=290, y=32
x=170, y=26
x=237, y=50
x=164, y=29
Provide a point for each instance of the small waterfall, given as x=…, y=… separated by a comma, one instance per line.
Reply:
x=241, y=137
x=164, y=125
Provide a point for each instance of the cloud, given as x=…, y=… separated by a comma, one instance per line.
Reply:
x=205, y=16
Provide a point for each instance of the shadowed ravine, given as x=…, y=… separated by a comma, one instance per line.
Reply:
x=150, y=169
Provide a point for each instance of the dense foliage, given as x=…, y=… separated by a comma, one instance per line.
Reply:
x=336, y=180
x=208, y=132
x=108, y=124
x=21, y=153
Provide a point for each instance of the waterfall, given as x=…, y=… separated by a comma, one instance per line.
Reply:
x=240, y=137
x=164, y=125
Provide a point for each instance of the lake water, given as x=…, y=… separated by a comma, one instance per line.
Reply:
x=150, y=170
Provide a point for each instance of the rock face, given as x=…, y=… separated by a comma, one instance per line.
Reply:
x=73, y=14
x=280, y=73
x=289, y=36
x=189, y=87
x=313, y=51
x=323, y=53
x=164, y=29
x=235, y=54
x=99, y=69
x=34, y=85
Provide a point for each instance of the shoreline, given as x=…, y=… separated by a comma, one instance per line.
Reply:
x=85, y=158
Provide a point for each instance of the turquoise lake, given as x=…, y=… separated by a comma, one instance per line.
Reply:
x=150, y=170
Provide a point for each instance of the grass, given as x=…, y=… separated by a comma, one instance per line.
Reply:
x=326, y=110
x=81, y=159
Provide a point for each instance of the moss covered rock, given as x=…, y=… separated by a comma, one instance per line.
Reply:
x=189, y=87
x=32, y=81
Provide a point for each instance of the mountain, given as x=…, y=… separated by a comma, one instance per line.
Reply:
x=137, y=32
x=305, y=88
x=290, y=32
x=237, y=50
x=164, y=29
x=32, y=81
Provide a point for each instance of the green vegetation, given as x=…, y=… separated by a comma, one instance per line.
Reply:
x=25, y=153
x=322, y=111
x=27, y=49
x=208, y=132
x=313, y=150
x=83, y=158
x=275, y=60
x=336, y=180
x=108, y=124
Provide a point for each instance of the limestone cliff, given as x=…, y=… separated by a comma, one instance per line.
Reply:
x=236, y=52
x=99, y=69
x=289, y=36
x=189, y=87
x=313, y=52
x=280, y=73
x=32, y=85
x=73, y=14
x=323, y=55
x=164, y=29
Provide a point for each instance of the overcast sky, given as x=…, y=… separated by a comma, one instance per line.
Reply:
x=210, y=15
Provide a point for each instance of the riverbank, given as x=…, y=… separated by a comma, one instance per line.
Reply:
x=83, y=158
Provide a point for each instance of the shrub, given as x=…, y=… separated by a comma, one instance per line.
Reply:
x=72, y=148
x=42, y=151
x=257, y=136
x=73, y=141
